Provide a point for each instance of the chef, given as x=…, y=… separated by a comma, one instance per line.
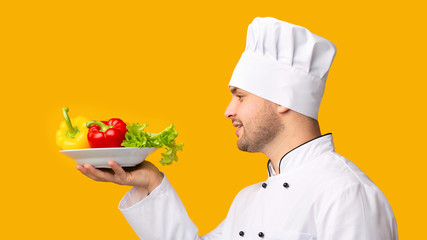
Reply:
x=311, y=191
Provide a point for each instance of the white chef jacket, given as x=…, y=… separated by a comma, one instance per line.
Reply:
x=318, y=194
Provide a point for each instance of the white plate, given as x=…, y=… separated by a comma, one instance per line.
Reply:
x=99, y=157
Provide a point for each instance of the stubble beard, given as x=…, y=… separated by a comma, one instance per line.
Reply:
x=260, y=130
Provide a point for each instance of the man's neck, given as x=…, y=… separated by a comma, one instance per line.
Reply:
x=285, y=143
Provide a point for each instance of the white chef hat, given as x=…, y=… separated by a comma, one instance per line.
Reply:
x=285, y=64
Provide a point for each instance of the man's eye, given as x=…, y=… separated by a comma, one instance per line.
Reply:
x=239, y=97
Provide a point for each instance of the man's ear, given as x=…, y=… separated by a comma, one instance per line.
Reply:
x=282, y=109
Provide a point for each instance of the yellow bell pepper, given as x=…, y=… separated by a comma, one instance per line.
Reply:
x=72, y=137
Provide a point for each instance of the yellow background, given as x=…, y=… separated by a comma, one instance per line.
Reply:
x=166, y=62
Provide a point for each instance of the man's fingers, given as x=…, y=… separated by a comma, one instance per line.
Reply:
x=97, y=174
x=119, y=172
x=119, y=175
x=80, y=168
x=85, y=171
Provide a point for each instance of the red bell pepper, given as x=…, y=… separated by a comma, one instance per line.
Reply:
x=103, y=134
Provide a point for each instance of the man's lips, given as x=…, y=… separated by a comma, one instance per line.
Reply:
x=238, y=125
x=237, y=131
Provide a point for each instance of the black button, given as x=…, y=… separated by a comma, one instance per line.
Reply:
x=264, y=185
x=241, y=233
x=261, y=234
x=286, y=185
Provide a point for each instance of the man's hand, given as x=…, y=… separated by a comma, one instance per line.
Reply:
x=144, y=176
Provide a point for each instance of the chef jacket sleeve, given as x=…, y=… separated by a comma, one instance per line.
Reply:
x=161, y=216
x=359, y=212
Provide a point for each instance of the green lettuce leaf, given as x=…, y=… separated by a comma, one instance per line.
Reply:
x=138, y=137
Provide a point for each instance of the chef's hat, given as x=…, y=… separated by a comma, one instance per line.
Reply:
x=285, y=64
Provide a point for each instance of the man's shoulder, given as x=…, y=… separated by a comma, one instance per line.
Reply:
x=337, y=168
x=333, y=174
x=248, y=192
x=250, y=189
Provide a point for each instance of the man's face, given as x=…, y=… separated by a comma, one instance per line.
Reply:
x=256, y=119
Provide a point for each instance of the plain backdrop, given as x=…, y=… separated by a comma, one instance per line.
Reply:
x=164, y=62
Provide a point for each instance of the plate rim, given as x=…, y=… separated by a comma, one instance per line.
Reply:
x=100, y=149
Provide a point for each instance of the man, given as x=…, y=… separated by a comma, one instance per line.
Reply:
x=312, y=192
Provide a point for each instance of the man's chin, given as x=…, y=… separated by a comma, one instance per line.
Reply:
x=244, y=147
x=241, y=146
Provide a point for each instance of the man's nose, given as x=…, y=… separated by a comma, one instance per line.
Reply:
x=230, y=110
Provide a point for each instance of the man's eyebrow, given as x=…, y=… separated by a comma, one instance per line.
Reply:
x=233, y=90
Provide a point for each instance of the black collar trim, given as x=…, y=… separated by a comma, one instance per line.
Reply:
x=268, y=167
x=280, y=162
